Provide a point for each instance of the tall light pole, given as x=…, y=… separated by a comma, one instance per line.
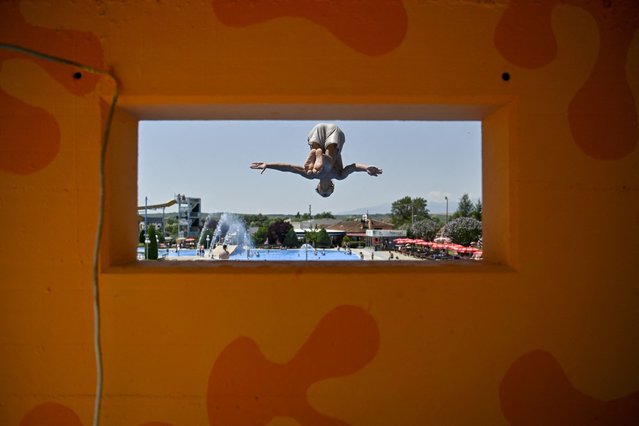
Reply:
x=178, y=217
x=146, y=229
x=446, y=210
x=147, y=241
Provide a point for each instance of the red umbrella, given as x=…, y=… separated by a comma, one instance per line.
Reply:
x=466, y=250
x=410, y=241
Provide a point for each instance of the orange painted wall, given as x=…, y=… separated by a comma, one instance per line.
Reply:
x=544, y=332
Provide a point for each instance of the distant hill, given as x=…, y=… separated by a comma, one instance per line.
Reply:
x=378, y=209
x=434, y=207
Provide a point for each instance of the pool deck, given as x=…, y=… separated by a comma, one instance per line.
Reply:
x=370, y=254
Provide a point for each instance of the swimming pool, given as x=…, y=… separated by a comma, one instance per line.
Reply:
x=295, y=255
x=257, y=255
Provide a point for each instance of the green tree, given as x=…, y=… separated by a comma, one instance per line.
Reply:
x=477, y=211
x=141, y=236
x=255, y=219
x=260, y=235
x=171, y=227
x=425, y=229
x=310, y=237
x=346, y=241
x=152, y=251
x=290, y=239
x=324, y=215
x=464, y=208
x=408, y=210
x=277, y=231
x=463, y=230
x=323, y=239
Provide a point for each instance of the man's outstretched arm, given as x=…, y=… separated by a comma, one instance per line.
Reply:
x=359, y=167
x=282, y=167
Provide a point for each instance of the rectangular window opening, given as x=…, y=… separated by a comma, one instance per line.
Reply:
x=199, y=199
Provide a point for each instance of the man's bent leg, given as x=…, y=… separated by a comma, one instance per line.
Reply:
x=319, y=161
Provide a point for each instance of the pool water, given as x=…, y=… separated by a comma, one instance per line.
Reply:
x=296, y=255
x=288, y=255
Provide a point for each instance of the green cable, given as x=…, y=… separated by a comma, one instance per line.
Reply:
x=100, y=223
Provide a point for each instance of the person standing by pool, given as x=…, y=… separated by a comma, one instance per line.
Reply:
x=324, y=161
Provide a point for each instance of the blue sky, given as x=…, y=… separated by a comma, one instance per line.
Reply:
x=210, y=160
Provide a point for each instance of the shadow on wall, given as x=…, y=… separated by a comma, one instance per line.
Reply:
x=245, y=388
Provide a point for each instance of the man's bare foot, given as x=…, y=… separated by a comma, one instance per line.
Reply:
x=319, y=162
x=310, y=161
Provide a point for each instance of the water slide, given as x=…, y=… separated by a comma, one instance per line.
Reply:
x=158, y=206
